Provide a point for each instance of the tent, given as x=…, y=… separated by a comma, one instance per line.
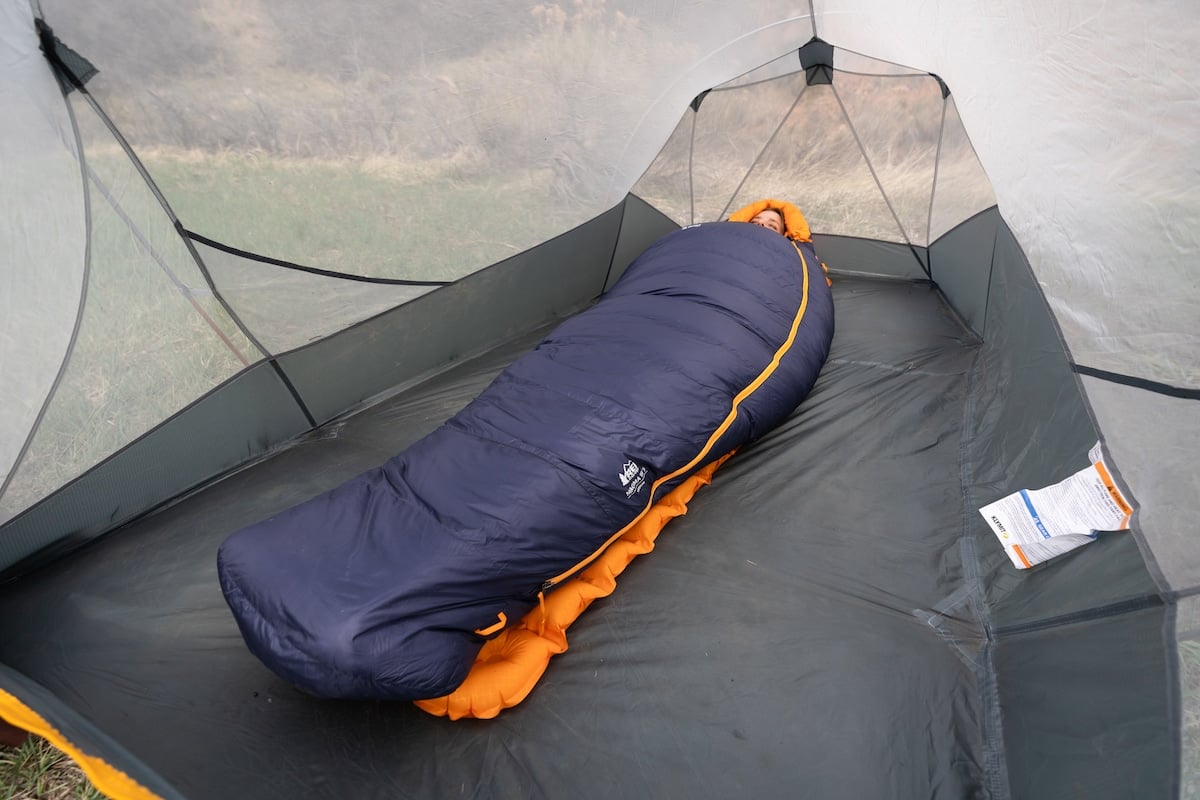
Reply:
x=253, y=249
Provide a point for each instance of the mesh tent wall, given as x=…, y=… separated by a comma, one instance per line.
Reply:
x=241, y=226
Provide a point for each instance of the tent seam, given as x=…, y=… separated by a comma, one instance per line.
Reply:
x=782, y=121
x=8, y=572
x=987, y=295
x=83, y=294
x=691, y=168
x=691, y=68
x=991, y=726
x=937, y=162
x=878, y=184
x=1130, y=606
x=612, y=256
x=1174, y=698
x=166, y=207
x=979, y=213
x=199, y=262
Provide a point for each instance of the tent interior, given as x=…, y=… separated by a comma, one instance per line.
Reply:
x=265, y=247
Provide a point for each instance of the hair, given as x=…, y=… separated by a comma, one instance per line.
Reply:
x=779, y=213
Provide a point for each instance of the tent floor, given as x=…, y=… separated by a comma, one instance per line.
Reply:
x=771, y=646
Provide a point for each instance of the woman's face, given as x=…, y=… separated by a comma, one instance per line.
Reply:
x=769, y=219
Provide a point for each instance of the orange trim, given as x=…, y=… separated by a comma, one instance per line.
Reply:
x=794, y=224
x=712, y=440
x=1021, y=554
x=541, y=607
x=509, y=666
x=1117, y=497
x=105, y=777
x=497, y=627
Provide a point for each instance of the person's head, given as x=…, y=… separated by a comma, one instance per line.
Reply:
x=777, y=215
x=769, y=218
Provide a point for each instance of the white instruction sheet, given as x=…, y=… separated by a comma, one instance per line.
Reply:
x=1036, y=525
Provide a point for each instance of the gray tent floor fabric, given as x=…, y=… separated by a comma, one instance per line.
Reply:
x=776, y=643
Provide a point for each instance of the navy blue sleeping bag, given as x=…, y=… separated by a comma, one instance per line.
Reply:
x=387, y=586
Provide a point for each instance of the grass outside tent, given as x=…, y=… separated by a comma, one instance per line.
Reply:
x=136, y=364
x=37, y=770
x=370, y=216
